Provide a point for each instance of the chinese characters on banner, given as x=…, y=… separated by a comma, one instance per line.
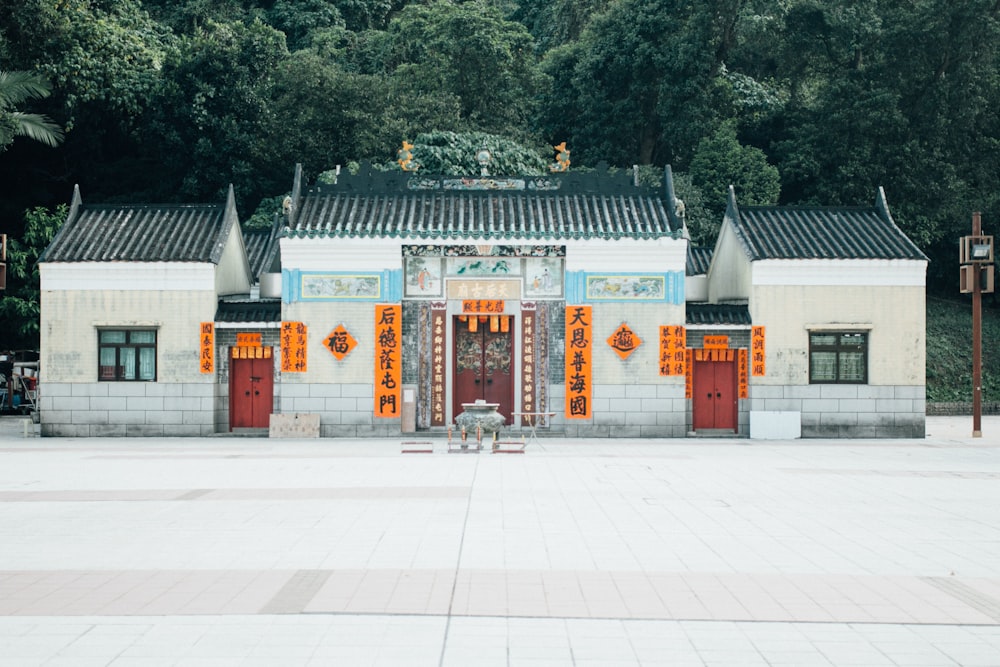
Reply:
x=248, y=340
x=579, y=372
x=741, y=370
x=528, y=403
x=673, y=340
x=207, y=344
x=294, y=336
x=388, y=359
x=340, y=342
x=483, y=306
x=624, y=341
x=688, y=373
x=437, y=367
x=759, y=352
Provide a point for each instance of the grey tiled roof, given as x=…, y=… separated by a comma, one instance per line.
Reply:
x=259, y=244
x=773, y=232
x=718, y=314
x=248, y=311
x=148, y=233
x=698, y=260
x=375, y=204
x=481, y=216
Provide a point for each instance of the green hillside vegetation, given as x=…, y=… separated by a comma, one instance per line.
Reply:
x=949, y=349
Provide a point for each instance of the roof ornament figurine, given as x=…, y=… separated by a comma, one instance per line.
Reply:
x=404, y=157
x=484, y=157
x=286, y=206
x=562, y=158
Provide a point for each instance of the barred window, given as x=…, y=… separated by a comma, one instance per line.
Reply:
x=126, y=355
x=838, y=357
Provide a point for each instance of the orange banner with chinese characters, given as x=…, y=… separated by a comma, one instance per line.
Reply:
x=742, y=374
x=689, y=374
x=207, y=344
x=251, y=352
x=579, y=370
x=294, y=339
x=673, y=340
x=758, y=352
x=388, y=359
x=715, y=342
x=248, y=340
x=482, y=306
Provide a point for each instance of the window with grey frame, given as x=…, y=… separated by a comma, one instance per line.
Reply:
x=838, y=357
x=126, y=355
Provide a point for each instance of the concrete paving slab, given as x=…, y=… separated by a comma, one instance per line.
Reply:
x=217, y=551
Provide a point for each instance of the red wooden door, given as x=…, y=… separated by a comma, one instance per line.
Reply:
x=714, y=392
x=251, y=393
x=483, y=368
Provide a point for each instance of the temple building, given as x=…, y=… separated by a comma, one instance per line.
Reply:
x=383, y=304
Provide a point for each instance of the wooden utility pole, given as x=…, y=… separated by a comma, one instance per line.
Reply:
x=977, y=341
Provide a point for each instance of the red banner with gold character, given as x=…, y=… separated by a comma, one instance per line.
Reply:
x=388, y=359
x=579, y=370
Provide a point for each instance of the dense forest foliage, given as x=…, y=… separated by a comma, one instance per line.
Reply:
x=805, y=102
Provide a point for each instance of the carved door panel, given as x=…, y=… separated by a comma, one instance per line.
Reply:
x=483, y=368
x=715, y=399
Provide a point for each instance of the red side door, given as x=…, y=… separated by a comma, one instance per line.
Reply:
x=482, y=371
x=714, y=393
x=251, y=393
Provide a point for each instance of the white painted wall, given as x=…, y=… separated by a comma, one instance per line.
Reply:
x=895, y=317
x=70, y=318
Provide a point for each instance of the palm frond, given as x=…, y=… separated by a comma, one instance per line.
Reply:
x=16, y=87
x=37, y=127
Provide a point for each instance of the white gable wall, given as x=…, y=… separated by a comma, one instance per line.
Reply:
x=233, y=272
x=729, y=274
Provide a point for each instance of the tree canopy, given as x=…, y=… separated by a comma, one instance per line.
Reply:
x=809, y=102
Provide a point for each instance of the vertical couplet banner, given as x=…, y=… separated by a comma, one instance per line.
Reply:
x=528, y=403
x=758, y=359
x=294, y=339
x=579, y=370
x=743, y=376
x=673, y=341
x=207, y=344
x=437, y=367
x=388, y=359
x=689, y=373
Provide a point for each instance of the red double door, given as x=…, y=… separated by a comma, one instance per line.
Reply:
x=714, y=393
x=251, y=392
x=483, y=367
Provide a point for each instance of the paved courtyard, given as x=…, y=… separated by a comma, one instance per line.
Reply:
x=249, y=551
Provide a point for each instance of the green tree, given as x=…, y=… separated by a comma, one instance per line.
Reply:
x=15, y=89
x=20, y=304
x=455, y=154
x=210, y=115
x=720, y=160
x=470, y=51
x=643, y=81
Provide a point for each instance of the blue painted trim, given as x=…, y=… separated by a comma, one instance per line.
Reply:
x=392, y=285
x=292, y=280
x=576, y=287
